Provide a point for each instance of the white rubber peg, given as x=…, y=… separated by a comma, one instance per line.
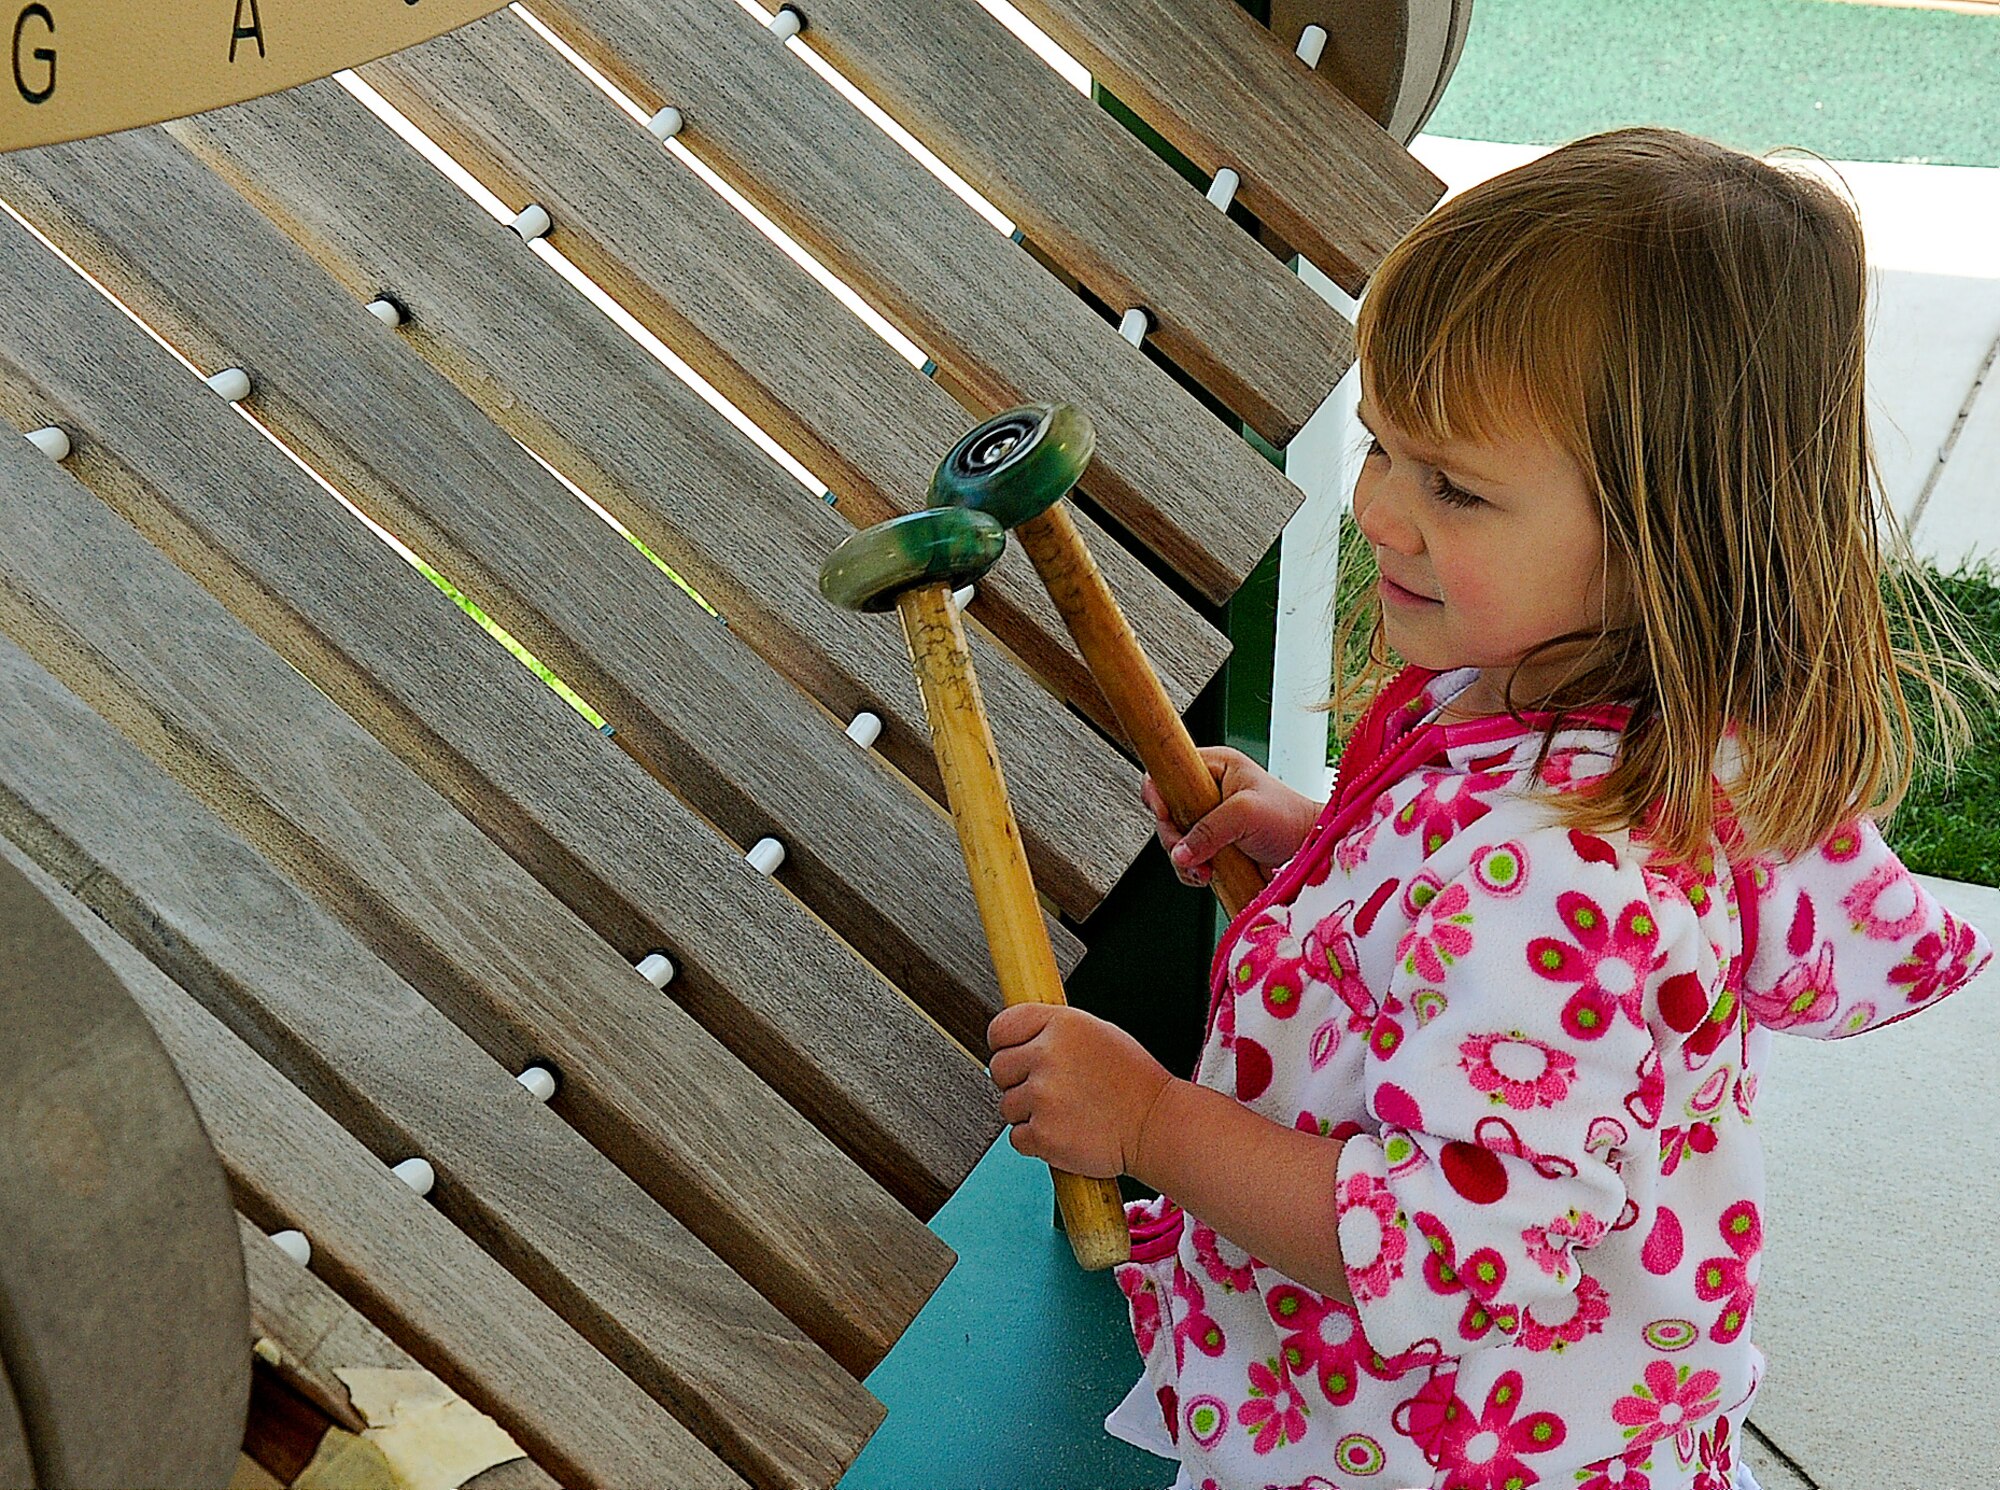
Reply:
x=962, y=597
x=664, y=125
x=52, y=440
x=1135, y=325
x=766, y=855
x=268, y=1350
x=657, y=969
x=540, y=1082
x=1222, y=190
x=787, y=23
x=1312, y=42
x=866, y=729
x=417, y=1174
x=294, y=1245
x=385, y=310
x=231, y=385
x=532, y=222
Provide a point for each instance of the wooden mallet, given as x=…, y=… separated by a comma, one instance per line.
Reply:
x=1017, y=467
x=913, y=563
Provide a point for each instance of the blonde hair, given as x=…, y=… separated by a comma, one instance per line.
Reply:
x=1687, y=322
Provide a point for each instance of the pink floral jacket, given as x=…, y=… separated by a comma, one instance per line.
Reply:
x=1542, y=1056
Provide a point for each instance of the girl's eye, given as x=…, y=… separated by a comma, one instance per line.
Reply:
x=1451, y=495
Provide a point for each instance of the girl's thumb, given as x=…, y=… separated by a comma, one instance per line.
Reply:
x=1208, y=835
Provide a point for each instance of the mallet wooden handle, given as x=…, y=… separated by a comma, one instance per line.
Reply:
x=1133, y=690
x=1092, y=1213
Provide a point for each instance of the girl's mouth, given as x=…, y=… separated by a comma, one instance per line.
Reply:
x=1395, y=594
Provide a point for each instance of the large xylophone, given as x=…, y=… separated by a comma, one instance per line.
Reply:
x=677, y=991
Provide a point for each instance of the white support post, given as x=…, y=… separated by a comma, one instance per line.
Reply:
x=231, y=385
x=1320, y=461
x=52, y=440
x=532, y=222
x=294, y=1245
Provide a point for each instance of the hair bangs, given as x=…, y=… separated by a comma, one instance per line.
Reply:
x=1481, y=325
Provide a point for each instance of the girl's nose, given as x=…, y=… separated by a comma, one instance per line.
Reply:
x=1381, y=516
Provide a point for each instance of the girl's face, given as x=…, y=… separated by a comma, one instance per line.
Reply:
x=1485, y=548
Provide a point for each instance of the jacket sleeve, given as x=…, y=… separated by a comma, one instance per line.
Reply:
x=1846, y=939
x=1514, y=1069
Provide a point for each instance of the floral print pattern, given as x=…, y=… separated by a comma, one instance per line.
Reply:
x=1442, y=932
x=1513, y=1069
x=1540, y=1053
x=1607, y=957
x=1730, y=1279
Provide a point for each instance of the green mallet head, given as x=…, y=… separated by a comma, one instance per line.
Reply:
x=1017, y=464
x=940, y=545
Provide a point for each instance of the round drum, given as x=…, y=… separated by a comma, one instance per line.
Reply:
x=1392, y=57
x=124, y=1318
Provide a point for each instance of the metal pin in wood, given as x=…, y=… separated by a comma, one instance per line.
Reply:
x=912, y=562
x=1018, y=466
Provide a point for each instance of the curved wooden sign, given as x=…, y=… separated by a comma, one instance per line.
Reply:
x=84, y=67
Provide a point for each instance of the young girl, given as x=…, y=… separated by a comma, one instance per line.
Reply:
x=1467, y=1191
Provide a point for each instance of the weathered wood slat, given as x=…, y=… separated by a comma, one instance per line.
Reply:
x=872, y=856
x=407, y=448
x=1226, y=92
x=453, y=1307
x=318, y=1334
x=832, y=1036
x=1094, y=199
x=524, y=1184
x=744, y=315
x=998, y=324
x=453, y=916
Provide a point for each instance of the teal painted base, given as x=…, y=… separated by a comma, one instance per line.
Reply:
x=1004, y=1380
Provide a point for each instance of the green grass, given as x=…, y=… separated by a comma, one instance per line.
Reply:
x=1952, y=827
x=1946, y=827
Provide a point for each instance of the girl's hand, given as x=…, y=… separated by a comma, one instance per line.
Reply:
x=1258, y=813
x=1077, y=1089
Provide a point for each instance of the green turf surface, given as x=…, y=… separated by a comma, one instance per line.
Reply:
x=1851, y=82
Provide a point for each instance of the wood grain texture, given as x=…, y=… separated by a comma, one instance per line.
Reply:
x=318, y=1334
x=209, y=271
x=454, y=917
x=1094, y=198
x=395, y=1256
x=831, y=1034
x=367, y=1048
x=745, y=316
x=1391, y=57
x=1226, y=92
x=687, y=697
x=872, y=856
x=1092, y=1215
x=1105, y=637
x=996, y=323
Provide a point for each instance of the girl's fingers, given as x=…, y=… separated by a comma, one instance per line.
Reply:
x=1015, y=1106
x=1009, y=1068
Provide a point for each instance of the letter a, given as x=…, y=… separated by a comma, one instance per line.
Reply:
x=242, y=32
